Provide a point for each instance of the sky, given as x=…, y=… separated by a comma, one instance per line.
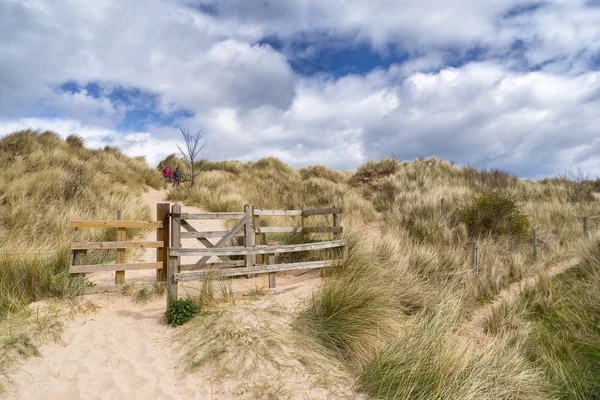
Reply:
x=498, y=83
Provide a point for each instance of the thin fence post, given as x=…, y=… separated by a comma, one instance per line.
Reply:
x=163, y=234
x=121, y=237
x=78, y=256
x=304, y=224
x=585, y=228
x=248, y=234
x=173, y=265
x=257, y=259
x=337, y=223
x=475, y=259
x=272, y=275
x=534, y=244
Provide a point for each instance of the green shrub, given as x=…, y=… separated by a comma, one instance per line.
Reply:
x=181, y=311
x=495, y=214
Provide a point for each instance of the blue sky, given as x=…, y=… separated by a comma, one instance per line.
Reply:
x=502, y=83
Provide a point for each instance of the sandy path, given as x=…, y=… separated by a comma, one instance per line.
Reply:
x=126, y=350
x=474, y=327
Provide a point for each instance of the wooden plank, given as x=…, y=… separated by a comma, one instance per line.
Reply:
x=163, y=234
x=241, y=251
x=249, y=258
x=298, y=229
x=77, y=269
x=121, y=237
x=257, y=238
x=173, y=264
x=222, y=264
x=118, y=245
x=322, y=211
x=218, y=215
x=236, y=228
x=241, y=223
x=277, y=212
x=204, y=241
x=257, y=269
x=117, y=224
x=272, y=275
x=210, y=234
x=337, y=224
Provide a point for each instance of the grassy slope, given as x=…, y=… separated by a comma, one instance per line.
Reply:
x=45, y=182
x=393, y=312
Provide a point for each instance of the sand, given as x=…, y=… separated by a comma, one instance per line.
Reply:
x=126, y=350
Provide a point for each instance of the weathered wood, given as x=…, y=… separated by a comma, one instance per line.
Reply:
x=257, y=269
x=258, y=212
x=272, y=275
x=298, y=229
x=222, y=264
x=304, y=223
x=322, y=211
x=241, y=251
x=117, y=224
x=76, y=269
x=121, y=237
x=248, y=235
x=337, y=225
x=210, y=234
x=256, y=259
x=118, y=245
x=163, y=234
x=204, y=241
x=218, y=215
x=241, y=223
x=173, y=264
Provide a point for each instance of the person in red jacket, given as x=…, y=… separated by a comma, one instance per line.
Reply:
x=166, y=173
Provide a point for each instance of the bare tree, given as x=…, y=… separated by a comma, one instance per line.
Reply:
x=194, y=143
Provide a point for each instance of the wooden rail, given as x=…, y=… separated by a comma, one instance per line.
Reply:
x=258, y=269
x=121, y=243
x=242, y=251
x=252, y=250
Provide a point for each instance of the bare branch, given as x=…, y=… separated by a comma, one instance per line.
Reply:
x=193, y=145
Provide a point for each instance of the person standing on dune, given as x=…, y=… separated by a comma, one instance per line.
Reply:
x=166, y=173
x=176, y=177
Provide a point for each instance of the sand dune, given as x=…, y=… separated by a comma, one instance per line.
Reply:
x=126, y=350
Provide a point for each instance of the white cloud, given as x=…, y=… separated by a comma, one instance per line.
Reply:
x=251, y=103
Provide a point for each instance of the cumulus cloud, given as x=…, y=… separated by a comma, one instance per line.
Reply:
x=502, y=83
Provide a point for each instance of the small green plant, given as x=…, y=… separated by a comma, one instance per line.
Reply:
x=142, y=296
x=495, y=214
x=181, y=311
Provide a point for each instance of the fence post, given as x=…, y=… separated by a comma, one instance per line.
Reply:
x=585, y=228
x=163, y=234
x=337, y=223
x=304, y=224
x=272, y=275
x=475, y=259
x=78, y=255
x=534, y=243
x=173, y=265
x=257, y=259
x=248, y=234
x=121, y=237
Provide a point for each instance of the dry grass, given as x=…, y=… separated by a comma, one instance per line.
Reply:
x=392, y=312
x=45, y=182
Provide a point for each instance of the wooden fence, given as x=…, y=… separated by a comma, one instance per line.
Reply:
x=248, y=229
x=121, y=244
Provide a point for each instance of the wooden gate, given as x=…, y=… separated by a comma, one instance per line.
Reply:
x=250, y=248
